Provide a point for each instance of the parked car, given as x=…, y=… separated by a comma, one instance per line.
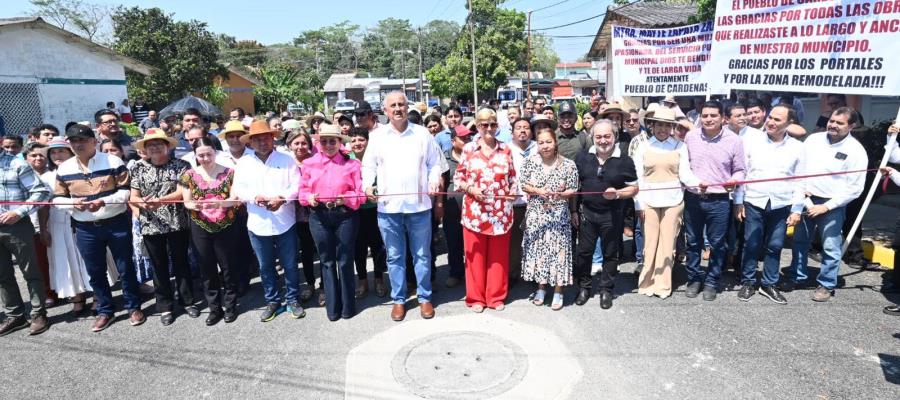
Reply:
x=376, y=107
x=345, y=106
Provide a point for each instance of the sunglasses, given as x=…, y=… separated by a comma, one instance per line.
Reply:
x=486, y=125
x=328, y=141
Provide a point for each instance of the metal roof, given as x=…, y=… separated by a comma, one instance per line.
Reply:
x=645, y=14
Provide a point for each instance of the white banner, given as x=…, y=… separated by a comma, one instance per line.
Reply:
x=816, y=46
x=657, y=62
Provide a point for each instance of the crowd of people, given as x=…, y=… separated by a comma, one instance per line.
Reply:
x=528, y=192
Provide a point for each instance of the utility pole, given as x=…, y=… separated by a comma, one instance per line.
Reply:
x=403, y=54
x=421, y=85
x=528, y=57
x=472, y=38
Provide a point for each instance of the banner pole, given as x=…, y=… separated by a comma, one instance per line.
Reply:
x=862, y=212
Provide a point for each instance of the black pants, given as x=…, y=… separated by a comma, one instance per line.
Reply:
x=854, y=253
x=160, y=248
x=246, y=265
x=335, y=234
x=218, y=251
x=896, y=272
x=368, y=237
x=608, y=226
x=307, y=253
x=453, y=233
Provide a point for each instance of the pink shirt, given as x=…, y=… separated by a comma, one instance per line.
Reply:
x=330, y=177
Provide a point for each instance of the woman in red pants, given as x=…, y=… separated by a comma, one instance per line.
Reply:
x=487, y=177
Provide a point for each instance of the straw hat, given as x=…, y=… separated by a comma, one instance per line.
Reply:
x=663, y=114
x=155, y=134
x=258, y=127
x=670, y=99
x=315, y=116
x=542, y=119
x=644, y=114
x=332, y=131
x=614, y=108
x=232, y=126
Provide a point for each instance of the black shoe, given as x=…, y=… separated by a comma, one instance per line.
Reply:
x=167, y=318
x=709, y=293
x=787, y=286
x=746, y=292
x=214, y=317
x=230, y=316
x=892, y=310
x=639, y=268
x=773, y=294
x=192, y=311
x=583, y=296
x=13, y=324
x=693, y=289
x=606, y=299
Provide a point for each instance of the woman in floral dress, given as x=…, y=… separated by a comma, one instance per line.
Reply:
x=549, y=179
x=487, y=177
x=206, y=190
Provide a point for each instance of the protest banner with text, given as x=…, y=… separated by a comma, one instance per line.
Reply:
x=815, y=46
x=657, y=62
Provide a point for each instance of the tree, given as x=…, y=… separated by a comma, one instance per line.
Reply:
x=438, y=40
x=242, y=53
x=706, y=10
x=282, y=83
x=543, y=57
x=86, y=19
x=184, y=55
x=499, y=46
x=331, y=47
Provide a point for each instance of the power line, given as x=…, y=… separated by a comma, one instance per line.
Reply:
x=552, y=5
x=584, y=20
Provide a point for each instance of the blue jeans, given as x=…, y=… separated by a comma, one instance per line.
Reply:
x=638, y=240
x=394, y=228
x=334, y=232
x=92, y=241
x=709, y=214
x=828, y=226
x=285, y=247
x=763, y=227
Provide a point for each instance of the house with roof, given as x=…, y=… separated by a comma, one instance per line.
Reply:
x=239, y=86
x=50, y=75
x=342, y=86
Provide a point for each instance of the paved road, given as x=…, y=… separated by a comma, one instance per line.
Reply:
x=643, y=348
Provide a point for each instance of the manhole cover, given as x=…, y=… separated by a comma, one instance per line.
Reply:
x=459, y=365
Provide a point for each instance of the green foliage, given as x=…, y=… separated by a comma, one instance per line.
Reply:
x=282, y=83
x=242, y=53
x=543, y=57
x=216, y=95
x=131, y=129
x=499, y=47
x=706, y=10
x=86, y=19
x=329, y=49
x=184, y=54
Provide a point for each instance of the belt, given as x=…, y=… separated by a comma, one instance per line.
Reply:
x=709, y=195
x=329, y=205
x=99, y=222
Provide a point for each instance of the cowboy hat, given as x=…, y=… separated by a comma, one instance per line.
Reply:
x=613, y=108
x=315, y=116
x=258, y=127
x=542, y=119
x=232, y=126
x=648, y=113
x=663, y=114
x=155, y=134
x=291, y=124
x=670, y=99
x=332, y=131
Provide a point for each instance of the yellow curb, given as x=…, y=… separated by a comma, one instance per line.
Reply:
x=879, y=252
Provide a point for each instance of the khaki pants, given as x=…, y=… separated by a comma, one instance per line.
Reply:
x=18, y=240
x=661, y=227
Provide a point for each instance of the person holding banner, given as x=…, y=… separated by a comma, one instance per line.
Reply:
x=895, y=177
x=768, y=208
x=717, y=156
x=834, y=151
x=661, y=162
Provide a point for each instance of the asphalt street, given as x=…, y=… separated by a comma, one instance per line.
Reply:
x=642, y=348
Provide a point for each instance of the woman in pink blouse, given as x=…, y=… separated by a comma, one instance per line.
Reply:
x=487, y=177
x=331, y=186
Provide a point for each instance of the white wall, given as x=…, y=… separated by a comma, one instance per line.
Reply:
x=63, y=103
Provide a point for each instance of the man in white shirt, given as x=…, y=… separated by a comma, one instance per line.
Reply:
x=404, y=158
x=522, y=146
x=832, y=151
x=894, y=158
x=768, y=208
x=265, y=181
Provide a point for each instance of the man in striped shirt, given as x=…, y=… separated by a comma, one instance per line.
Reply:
x=18, y=182
x=96, y=186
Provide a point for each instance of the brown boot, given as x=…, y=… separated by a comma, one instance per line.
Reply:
x=362, y=288
x=13, y=324
x=427, y=310
x=398, y=312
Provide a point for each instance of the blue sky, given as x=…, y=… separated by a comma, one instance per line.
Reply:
x=279, y=21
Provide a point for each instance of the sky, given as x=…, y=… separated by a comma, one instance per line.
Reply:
x=282, y=20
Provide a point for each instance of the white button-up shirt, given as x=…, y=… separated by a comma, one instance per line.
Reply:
x=278, y=176
x=766, y=159
x=402, y=162
x=662, y=198
x=225, y=159
x=894, y=158
x=821, y=156
x=519, y=156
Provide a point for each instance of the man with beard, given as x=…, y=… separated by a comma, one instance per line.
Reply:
x=108, y=129
x=756, y=113
x=826, y=199
x=570, y=141
x=602, y=168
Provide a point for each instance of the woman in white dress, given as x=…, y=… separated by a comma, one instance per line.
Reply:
x=68, y=275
